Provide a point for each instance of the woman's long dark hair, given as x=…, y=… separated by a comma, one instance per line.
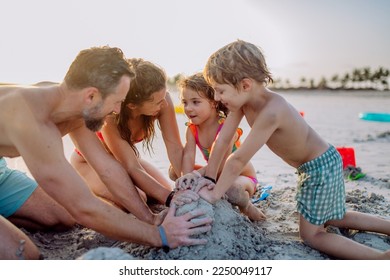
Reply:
x=149, y=79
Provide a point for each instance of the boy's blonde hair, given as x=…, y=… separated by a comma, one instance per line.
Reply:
x=236, y=61
x=198, y=83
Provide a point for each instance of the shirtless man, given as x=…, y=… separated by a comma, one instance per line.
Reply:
x=32, y=123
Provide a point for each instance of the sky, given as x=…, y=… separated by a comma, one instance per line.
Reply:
x=39, y=39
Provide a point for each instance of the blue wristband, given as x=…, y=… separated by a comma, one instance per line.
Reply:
x=164, y=240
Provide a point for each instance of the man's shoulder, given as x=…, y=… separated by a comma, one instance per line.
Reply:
x=23, y=105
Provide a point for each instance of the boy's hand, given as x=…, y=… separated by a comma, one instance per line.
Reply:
x=201, y=183
x=207, y=195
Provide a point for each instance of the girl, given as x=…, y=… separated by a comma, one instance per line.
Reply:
x=206, y=119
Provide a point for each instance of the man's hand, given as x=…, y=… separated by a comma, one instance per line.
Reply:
x=180, y=229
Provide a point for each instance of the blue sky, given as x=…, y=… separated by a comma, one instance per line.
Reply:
x=40, y=38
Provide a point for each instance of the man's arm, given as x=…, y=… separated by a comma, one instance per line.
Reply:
x=41, y=148
x=111, y=172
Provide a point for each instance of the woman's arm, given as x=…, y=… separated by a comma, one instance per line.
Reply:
x=171, y=135
x=123, y=152
x=111, y=172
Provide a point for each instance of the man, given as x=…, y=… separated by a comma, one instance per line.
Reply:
x=32, y=123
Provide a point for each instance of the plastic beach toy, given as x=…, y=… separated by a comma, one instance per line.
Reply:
x=179, y=109
x=353, y=173
x=265, y=192
x=375, y=117
x=348, y=156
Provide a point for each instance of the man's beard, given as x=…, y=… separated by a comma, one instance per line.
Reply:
x=93, y=123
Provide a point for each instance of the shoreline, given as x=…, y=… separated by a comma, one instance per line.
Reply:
x=335, y=117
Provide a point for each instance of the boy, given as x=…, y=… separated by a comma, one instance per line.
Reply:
x=239, y=75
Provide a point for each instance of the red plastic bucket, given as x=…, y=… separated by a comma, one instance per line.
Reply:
x=348, y=156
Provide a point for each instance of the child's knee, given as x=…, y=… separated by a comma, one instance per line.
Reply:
x=235, y=194
x=311, y=238
x=306, y=238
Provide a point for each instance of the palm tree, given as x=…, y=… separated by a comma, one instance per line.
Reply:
x=323, y=83
x=277, y=83
x=303, y=82
x=366, y=76
x=288, y=84
x=384, y=75
x=356, y=77
x=311, y=83
x=345, y=80
x=335, y=80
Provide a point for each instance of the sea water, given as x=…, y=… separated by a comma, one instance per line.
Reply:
x=333, y=114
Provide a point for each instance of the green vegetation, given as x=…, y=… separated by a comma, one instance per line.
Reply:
x=358, y=79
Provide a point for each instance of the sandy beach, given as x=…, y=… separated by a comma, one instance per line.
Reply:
x=334, y=115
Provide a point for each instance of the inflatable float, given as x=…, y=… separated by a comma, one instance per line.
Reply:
x=375, y=117
x=179, y=109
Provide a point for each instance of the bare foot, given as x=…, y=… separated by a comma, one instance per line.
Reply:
x=253, y=213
